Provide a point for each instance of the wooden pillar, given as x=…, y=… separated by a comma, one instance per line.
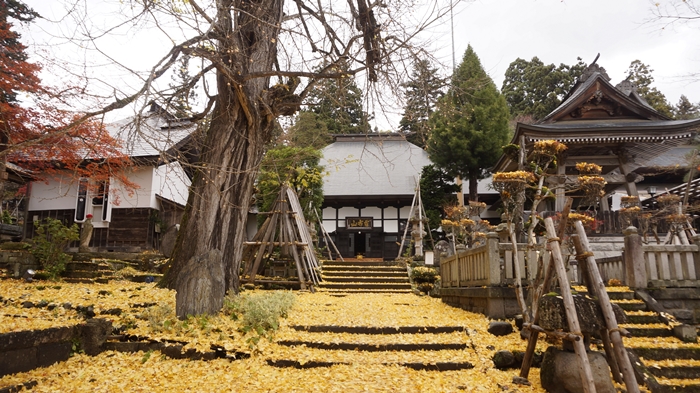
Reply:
x=635, y=266
x=629, y=176
x=560, y=191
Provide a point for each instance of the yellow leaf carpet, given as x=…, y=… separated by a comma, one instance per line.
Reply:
x=353, y=370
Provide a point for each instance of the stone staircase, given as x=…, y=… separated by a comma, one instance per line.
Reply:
x=358, y=276
x=384, y=331
x=673, y=363
x=88, y=272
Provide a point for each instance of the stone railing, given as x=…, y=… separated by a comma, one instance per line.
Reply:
x=492, y=264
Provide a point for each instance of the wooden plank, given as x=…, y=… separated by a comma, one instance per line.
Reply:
x=610, y=320
x=664, y=266
x=670, y=247
x=570, y=308
x=652, y=271
x=677, y=266
x=508, y=258
x=690, y=266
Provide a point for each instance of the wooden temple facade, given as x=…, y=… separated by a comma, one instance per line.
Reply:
x=608, y=125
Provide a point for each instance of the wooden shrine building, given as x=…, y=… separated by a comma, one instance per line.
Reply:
x=608, y=125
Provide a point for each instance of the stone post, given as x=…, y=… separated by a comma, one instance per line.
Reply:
x=494, y=259
x=635, y=266
x=86, y=235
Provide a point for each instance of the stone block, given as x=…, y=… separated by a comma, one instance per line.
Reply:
x=33, y=338
x=559, y=372
x=683, y=315
x=686, y=333
x=93, y=334
x=18, y=360
x=48, y=354
x=499, y=328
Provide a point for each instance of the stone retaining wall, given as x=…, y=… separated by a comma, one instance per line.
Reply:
x=29, y=349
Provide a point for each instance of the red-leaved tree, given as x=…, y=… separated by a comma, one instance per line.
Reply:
x=43, y=137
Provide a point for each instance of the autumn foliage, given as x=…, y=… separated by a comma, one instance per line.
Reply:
x=47, y=135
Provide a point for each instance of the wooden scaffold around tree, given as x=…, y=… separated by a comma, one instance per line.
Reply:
x=286, y=228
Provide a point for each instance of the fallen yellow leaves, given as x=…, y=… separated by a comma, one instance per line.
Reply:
x=113, y=371
x=364, y=371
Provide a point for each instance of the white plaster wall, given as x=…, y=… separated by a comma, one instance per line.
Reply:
x=143, y=196
x=329, y=225
x=56, y=193
x=372, y=211
x=347, y=212
x=329, y=213
x=172, y=183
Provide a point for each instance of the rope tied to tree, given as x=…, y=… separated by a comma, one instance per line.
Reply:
x=553, y=239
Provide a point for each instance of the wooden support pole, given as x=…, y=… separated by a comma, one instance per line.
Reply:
x=610, y=320
x=544, y=288
x=610, y=356
x=553, y=333
x=570, y=308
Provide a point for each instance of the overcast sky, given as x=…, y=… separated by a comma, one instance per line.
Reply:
x=560, y=31
x=556, y=31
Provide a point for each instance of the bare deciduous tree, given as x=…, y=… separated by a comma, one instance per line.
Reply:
x=259, y=58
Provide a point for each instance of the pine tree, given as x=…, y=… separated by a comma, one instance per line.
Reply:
x=532, y=88
x=641, y=76
x=470, y=124
x=338, y=103
x=437, y=190
x=422, y=93
x=685, y=110
x=184, y=93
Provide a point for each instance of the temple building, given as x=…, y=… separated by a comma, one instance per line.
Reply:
x=368, y=192
x=612, y=126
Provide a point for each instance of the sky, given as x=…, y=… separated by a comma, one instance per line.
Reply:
x=556, y=31
x=560, y=31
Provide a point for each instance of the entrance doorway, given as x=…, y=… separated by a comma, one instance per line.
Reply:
x=361, y=243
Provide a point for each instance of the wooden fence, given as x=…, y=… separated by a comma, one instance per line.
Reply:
x=492, y=264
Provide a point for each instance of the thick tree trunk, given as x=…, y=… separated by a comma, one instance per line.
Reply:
x=211, y=242
x=473, y=188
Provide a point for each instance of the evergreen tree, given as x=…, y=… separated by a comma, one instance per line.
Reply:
x=685, y=110
x=641, y=76
x=309, y=130
x=338, y=103
x=184, y=93
x=437, y=190
x=422, y=93
x=532, y=88
x=470, y=124
x=297, y=166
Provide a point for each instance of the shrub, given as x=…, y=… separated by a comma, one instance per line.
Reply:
x=423, y=274
x=50, y=240
x=259, y=313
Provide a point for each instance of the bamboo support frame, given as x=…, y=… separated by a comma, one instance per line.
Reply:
x=610, y=320
x=571, y=316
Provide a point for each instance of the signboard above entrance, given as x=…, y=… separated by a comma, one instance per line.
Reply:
x=359, y=222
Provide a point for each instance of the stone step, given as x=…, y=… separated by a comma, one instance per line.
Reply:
x=649, y=331
x=100, y=280
x=676, y=372
x=684, y=388
x=355, y=268
x=345, y=292
x=364, y=279
x=345, y=346
x=437, y=366
x=368, y=285
x=360, y=263
x=87, y=273
x=668, y=353
x=383, y=273
x=86, y=266
x=642, y=319
x=631, y=306
x=377, y=329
